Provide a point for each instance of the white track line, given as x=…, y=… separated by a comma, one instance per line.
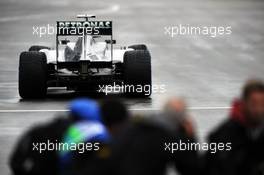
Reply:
x=31, y=110
x=210, y=108
x=135, y=109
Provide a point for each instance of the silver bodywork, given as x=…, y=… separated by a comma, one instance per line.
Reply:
x=95, y=51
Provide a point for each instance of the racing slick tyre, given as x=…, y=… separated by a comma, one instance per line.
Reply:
x=32, y=75
x=37, y=48
x=138, y=47
x=137, y=73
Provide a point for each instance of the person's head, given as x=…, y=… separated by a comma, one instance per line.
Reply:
x=253, y=98
x=176, y=112
x=114, y=113
x=85, y=109
x=176, y=108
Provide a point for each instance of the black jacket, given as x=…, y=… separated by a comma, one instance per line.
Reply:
x=140, y=150
x=246, y=156
x=26, y=161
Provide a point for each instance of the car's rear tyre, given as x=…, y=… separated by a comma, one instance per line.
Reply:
x=137, y=73
x=32, y=75
x=37, y=48
x=138, y=47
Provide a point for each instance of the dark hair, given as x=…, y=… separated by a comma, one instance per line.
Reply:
x=113, y=112
x=252, y=86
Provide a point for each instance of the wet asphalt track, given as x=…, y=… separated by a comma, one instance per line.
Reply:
x=207, y=71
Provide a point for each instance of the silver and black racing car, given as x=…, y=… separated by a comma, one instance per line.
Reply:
x=85, y=59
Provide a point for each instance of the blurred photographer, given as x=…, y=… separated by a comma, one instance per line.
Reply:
x=81, y=125
x=140, y=147
x=245, y=131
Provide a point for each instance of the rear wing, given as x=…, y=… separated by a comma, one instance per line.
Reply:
x=80, y=28
x=83, y=28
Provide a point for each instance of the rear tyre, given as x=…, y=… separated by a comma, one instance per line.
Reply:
x=37, y=48
x=32, y=75
x=138, y=47
x=137, y=73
